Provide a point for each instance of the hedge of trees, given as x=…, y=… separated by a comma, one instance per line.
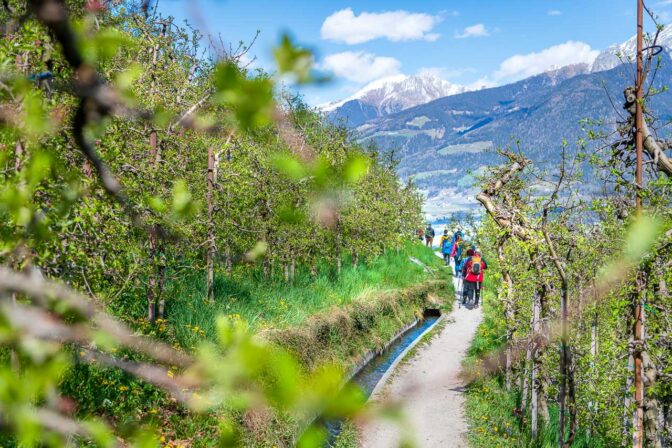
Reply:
x=209, y=166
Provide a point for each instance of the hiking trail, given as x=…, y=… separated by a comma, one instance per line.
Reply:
x=429, y=389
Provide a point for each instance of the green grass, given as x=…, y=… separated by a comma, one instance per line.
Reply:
x=374, y=300
x=275, y=304
x=348, y=438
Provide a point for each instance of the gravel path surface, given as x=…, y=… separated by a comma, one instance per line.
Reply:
x=430, y=390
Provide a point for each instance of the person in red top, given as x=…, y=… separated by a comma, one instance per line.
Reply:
x=472, y=271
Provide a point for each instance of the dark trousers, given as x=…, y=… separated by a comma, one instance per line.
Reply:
x=457, y=265
x=471, y=289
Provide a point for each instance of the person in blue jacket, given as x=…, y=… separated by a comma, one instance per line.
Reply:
x=446, y=246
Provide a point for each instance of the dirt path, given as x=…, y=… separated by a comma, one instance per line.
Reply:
x=430, y=390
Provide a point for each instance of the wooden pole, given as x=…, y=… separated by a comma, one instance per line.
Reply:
x=639, y=145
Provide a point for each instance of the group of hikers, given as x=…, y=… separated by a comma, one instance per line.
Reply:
x=469, y=264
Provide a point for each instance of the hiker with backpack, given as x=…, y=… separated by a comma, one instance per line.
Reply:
x=456, y=251
x=446, y=246
x=472, y=270
x=429, y=235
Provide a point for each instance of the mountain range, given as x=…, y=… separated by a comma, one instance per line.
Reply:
x=443, y=142
x=389, y=95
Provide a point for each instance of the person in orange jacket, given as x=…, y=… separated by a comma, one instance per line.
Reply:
x=473, y=269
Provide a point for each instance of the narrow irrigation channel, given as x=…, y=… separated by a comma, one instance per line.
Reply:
x=370, y=375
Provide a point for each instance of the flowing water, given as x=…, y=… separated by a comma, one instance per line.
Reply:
x=369, y=376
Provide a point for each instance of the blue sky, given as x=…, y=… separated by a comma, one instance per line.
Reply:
x=472, y=43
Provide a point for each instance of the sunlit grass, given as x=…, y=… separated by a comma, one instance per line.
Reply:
x=272, y=303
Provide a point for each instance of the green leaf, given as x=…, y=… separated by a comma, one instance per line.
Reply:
x=641, y=236
x=313, y=437
x=250, y=99
x=290, y=166
x=38, y=168
x=36, y=122
x=291, y=59
x=183, y=204
x=257, y=251
x=356, y=168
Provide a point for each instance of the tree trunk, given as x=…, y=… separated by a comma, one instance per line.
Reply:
x=18, y=155
x=571, y=385
x=151, y=293
x=506, y=297
x=161, y=299
x=564, y=366
x=525, y=377
x=151, y=296
x=266, y=268
x=543, y=380
x=638, y=354
x=210, y=263
x=229, y=261
x=339, y=243
x=292, y=266
x=627, y=400
x=592, y=405
x=534, y=400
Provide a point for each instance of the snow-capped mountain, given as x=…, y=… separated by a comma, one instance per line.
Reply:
x=392, y=94
x=444, y=143
x=615, y=55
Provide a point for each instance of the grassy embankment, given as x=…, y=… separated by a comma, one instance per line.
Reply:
x=319, y=319
x=274, y=304
x=490, y=407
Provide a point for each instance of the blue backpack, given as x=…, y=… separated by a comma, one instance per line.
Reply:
x=447, y=246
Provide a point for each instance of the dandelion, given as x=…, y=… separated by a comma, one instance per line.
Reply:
x=170, y=374
x=123, y=388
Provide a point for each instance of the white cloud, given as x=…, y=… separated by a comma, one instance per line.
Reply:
x=478, y=30
x=524, y=65
x=554, y=12
x=345, y=26
x=360, y=66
